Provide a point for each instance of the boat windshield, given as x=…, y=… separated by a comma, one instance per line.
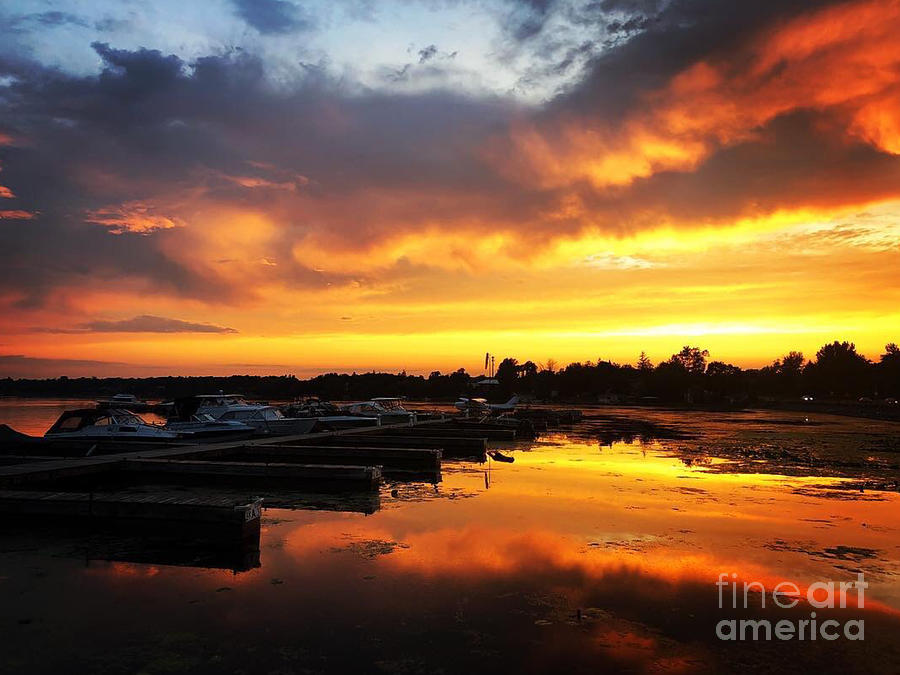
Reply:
x=121, y=418
x=388, y=403
x=222, y=400
x=72, y=423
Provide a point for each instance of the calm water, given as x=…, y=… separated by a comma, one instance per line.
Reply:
x=35, y=415
x=598, y=549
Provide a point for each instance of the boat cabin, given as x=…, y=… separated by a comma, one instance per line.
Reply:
x=76, y=420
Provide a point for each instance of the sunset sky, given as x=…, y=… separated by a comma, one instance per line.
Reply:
x=277, y=186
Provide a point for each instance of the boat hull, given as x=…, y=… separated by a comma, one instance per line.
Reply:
x=339, y=422
x=283, y=427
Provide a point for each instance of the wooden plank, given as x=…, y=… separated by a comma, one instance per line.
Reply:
x=368, y=477
x=450, y=447
x=41, y=470
x=492, y=434
x=240, y=518
x=383, y=456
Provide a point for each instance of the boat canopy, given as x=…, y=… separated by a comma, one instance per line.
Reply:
x=388, y=402
x=74, y=420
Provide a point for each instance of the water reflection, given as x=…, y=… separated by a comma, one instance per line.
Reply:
x=580, y=556
x=33, y=416
x=105, y=542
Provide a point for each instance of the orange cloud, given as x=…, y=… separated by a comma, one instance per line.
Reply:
x=16, y=214
x=843, y=60
x=134, y=216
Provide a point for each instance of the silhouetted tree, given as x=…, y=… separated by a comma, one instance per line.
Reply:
x=644, y=364
x=889, y=371
x=528, y=369
x=786, y=373
x=791, y=364
x=507, y=374
x=692, y=358
x=724, y=379
x=671, y=381
x=839, y=370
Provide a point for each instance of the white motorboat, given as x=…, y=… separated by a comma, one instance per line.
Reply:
x=185, y=417
x=124, y=402
x=203, y=425
x=217, y=405
x=328, y=416
x=388, y=410
x=112, y=424
x=266, y=419
x=480, y=406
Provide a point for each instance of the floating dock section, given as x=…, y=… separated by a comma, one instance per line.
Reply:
x=351, y=461
x=235, y=520
x=319, y=475
x=462, y=447
x=391, y=459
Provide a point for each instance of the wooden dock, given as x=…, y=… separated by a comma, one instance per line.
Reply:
x=468, y=447
x=320, y=475
x=389, y=458
x=351, y=460
x=447, y=431
x=241, y=519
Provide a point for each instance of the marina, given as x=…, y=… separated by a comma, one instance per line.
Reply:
x=350, y=459
x=446, y=338
x=573, y=549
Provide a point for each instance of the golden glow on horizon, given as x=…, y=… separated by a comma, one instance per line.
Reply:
x=394, y=277
x=713, y=287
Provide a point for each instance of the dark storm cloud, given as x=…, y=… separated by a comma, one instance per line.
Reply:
x=155, y=134
x=667, y=37
x=11, y=365
x=20, y=366
x=273, y=16
x=427, y=53
x=526, y=19
x=146, y=323
x=792, y=164
x=117, y=166
x=807, y=156
x=50, y=19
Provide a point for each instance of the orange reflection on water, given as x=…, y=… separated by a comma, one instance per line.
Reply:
x=576, y=554
x=573, y=506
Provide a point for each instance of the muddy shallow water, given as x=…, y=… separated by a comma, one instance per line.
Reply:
x=598, y=549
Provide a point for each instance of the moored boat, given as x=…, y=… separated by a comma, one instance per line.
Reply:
x=186, y=419
x=124, y=402
x=268, y=420
x=328, y=416
x=107, y=424
x=387, y=409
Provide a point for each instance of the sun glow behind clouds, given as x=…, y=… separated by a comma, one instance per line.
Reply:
x=721, y=294
x=473, y=179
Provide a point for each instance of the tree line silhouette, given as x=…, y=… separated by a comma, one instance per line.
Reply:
x=838, y=372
